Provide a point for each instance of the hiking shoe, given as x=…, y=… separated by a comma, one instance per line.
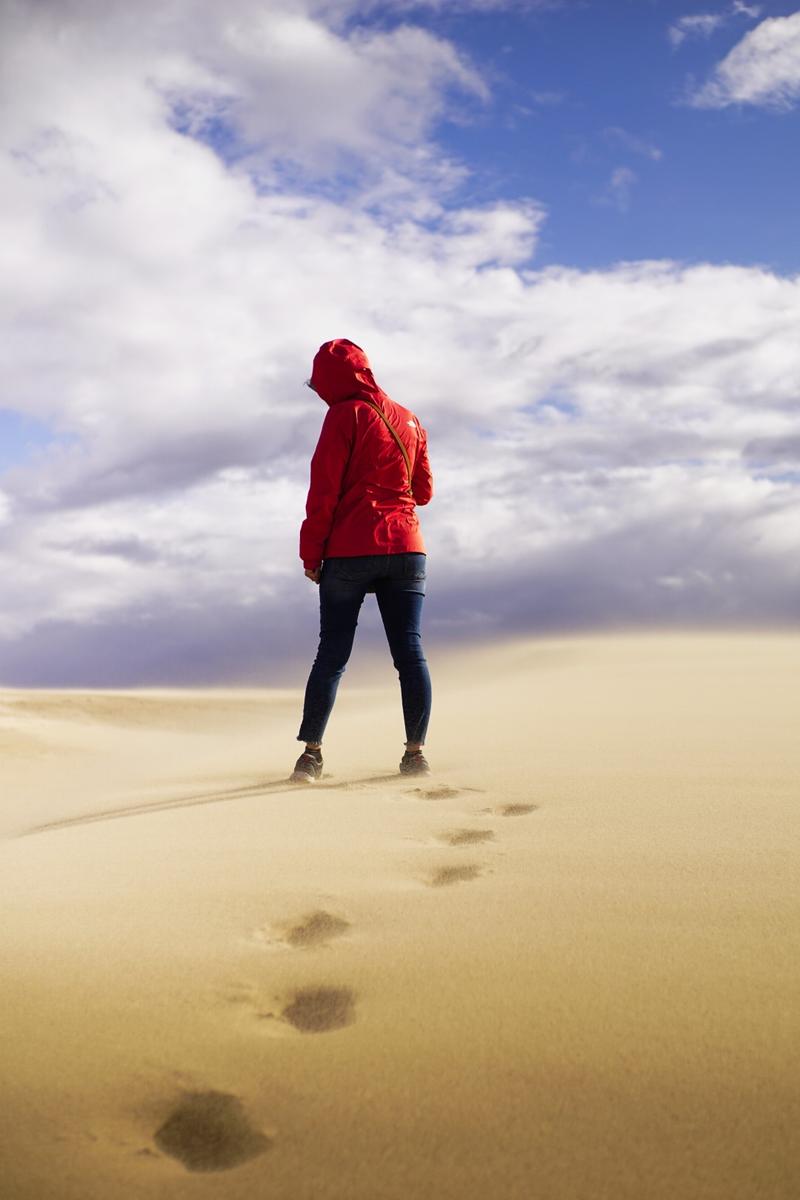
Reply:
x=414, y=764
x=307, y=769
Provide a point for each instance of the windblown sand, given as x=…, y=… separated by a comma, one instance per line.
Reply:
x=565, y=967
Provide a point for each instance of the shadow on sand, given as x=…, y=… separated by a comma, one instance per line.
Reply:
x=266, y=788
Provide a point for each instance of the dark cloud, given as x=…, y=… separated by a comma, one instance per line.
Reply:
x=647, y=575
x=128, y=548
x=773, y=453
x=161, y=643
x=166, y=463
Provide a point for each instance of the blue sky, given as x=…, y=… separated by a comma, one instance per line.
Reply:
x=724, y=188
x=20, y=437
x=565, y=234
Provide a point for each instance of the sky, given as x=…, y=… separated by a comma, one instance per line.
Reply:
x=565, y=232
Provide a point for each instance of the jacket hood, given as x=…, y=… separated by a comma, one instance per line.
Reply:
x=341, y=371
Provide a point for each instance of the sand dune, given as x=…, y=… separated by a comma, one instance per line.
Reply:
x=565, y=966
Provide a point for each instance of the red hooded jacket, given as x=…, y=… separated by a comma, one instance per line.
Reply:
x=359, y=500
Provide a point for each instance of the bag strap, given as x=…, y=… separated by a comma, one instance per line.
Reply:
x=397, y=438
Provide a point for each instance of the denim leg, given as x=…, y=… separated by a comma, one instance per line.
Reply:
x=400, y=603
x=339, y=605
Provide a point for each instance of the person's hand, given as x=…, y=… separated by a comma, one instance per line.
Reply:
x=313, y=575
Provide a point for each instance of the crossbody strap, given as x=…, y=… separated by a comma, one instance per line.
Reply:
x=396, y=437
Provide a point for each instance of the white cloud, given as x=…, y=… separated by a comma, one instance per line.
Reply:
x=371, y=94
x=698, y=25
x=763, y=69
x=332, y=9
x=746, y=10
x=548, y=99
x=272, y=87
x=704, y=24
x=618, y=190
x=632, y=142
x=592, y=432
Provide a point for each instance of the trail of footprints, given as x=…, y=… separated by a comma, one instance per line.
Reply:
x=210, y=1131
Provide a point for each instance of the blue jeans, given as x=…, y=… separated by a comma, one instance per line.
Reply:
x=398, y=581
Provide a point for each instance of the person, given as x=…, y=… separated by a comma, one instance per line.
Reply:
x=361, y=534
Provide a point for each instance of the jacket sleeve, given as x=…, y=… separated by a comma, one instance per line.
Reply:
x=422, y=479
x=328, y=466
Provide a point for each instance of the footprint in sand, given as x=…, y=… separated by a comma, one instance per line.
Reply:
x=443, y=792
x=320, y=1009
x=210, y=1131
x=315, y=929
x=444, y=876
x=466, y=837
x=512, y=810
x=309, y=932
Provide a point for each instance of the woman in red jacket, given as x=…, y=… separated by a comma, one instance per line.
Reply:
x=361, y=534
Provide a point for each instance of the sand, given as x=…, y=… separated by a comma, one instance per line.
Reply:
x=564, y=966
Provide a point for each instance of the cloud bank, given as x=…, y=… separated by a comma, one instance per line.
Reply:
x=197, y=204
